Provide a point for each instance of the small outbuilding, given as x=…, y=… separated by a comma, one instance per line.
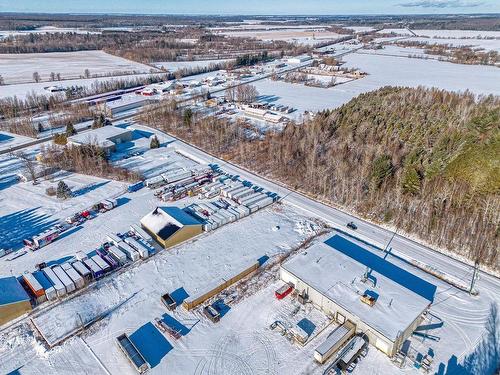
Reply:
x=170, y=226
x=14, y=300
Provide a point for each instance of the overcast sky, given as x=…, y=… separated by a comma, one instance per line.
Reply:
x=316, y=7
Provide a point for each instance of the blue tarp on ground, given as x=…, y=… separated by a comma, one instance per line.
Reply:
x=383, y=267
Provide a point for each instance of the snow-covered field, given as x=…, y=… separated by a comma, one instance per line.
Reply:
x=486, y=44
x=19, y=68
x=384, y=71
x=295, y=35
x=173, y=66
x=444, y=33
x=24, y=89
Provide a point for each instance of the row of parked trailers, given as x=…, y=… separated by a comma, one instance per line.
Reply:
x=175, y=176
x=58, y=281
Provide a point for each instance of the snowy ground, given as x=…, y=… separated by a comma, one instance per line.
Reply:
x=486, y=44
x=19, y=68
x=305, y=35
x=173, y=66
x=383, y=71
x=24, y=89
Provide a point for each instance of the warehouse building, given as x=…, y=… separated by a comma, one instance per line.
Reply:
x=14, y=300
x=170, y=226
x=106, y=137
x=349, y=282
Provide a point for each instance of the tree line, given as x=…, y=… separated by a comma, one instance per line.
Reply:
x=424, y=161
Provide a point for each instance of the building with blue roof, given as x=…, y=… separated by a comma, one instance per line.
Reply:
x=14, y=300
x=170, y=226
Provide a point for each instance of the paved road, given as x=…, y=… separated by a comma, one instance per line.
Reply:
x=376, y=235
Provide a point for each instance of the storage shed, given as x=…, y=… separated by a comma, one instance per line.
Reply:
x=14, y=301
x=170, y=226
x=338, y=274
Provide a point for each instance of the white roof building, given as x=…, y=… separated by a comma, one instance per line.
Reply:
x=106, y=137
x=333, y=276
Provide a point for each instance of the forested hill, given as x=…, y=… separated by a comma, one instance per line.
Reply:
x=426, y=161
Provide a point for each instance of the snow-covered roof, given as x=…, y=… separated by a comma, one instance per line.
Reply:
x=336, y=268
x=165, y=221
x=100, y=135
x=11, y=291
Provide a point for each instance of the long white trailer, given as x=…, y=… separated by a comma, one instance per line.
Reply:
x=132, y=254
x=139, y=247
x=248, y=198
x=141, y=232
x=82, y=270
x=73, y=275
x=101, y=263
x=56, y=283
x=255, y=200
x=113, y=238
x=117, y=254
x=65, y=279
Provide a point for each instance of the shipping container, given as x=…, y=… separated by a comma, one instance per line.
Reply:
x=101, y=263
x=82, y=270
x=229, y=216
x=141, y=232
x=50, y=292
x=139, y=247
x=220, y=220
x=283, y=291
x=34, y=285
x=132, y=353
x=135, y=187
x=261, y=203
x=94, y=268
x=244, y=210
x=56, y=283
x=73, y=275
x=132, y=254
x=117, y=254
x=236, y=213
x=65, y=279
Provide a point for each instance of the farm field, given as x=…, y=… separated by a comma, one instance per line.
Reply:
x=173, y=66
x=383, y=71
x=19, y=68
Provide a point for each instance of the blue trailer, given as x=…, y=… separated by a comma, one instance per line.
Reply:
x=134, y=187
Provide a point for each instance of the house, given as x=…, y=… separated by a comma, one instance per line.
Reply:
x=106, y=137
x=170, y=226
x=14, y=300
x=351, y=283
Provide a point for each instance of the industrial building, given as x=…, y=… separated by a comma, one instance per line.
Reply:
x=124, y=104
x=14, y=300
x=351, y=283
x=106, y=137
x=170, y=226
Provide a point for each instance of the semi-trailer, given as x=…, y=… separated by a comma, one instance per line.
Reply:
x=135, y=187
x=334, y=341
x=47, y=286
x=248, y=198
x=132, y=353
x=94, y=268
x=101, y=263
x=82, y=270
x=141, y=232
x=73, y=275
x=111, y=261
x=56, y=283
x=35, y=287
x=138, y=246
x=65, y=279
x=256, y=199
x=132, y=254
x=117, y=254
x=242, y=194
x=80, y=255
x=113, y=238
